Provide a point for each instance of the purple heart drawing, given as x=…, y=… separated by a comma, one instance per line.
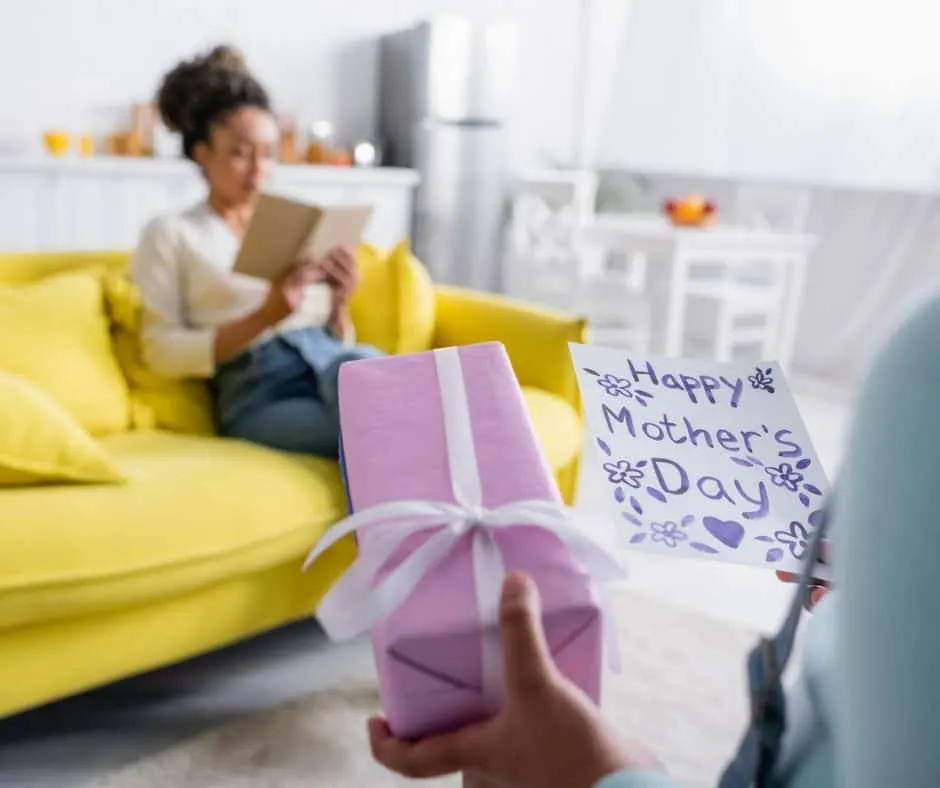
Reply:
x=729, y=532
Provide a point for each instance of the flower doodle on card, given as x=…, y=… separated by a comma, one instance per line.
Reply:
x=623, y=472
x=698, y=459
x=790, y=475
x=669, y=533
x=785, y=475
x=796, y=538
x=615, y=386
x=762, y=379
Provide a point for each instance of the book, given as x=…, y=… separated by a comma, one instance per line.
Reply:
x=284, y=231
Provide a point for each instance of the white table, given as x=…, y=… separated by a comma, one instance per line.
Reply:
x=651, y=237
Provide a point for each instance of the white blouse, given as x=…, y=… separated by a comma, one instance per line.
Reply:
x=183, y=269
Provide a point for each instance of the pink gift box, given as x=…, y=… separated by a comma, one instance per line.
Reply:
x=429, y=651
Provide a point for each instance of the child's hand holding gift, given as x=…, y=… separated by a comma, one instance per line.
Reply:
x=548, y=734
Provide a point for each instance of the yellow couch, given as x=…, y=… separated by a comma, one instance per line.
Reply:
x=203, y=545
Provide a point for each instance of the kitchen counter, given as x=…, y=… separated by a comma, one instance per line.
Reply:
x=66, y=203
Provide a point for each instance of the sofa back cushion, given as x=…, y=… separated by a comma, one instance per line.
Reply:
x=20, y=268
x=56, y=333
x=394, y=308
x=177, y=405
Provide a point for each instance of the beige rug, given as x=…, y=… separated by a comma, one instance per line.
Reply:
x=681, y=691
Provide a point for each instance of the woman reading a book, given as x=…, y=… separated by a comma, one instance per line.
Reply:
x=271, y=350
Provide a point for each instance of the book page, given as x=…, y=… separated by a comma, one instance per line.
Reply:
x=276, y=233
x=337, y=226
x=282, y=232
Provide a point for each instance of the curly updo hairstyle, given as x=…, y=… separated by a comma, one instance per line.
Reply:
x=201, y=92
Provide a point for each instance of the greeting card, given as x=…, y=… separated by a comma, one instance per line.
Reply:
x=701, y=459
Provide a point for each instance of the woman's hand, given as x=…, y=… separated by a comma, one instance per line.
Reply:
x=342, y=274
x=547, y=735
x=339, y=270
x=286, y=293
x=818, y=588
x=340, y=322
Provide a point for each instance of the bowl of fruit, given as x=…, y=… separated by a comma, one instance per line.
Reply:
x=692, y=210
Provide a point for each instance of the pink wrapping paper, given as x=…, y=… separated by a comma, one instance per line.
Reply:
x=428, y=652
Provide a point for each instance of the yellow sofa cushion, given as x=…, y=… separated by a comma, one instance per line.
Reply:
x=194, y=511
x=394, y=307
x=20, y=268
x=536, y=338
x=40, y=442
x=56, y=334
x=557, y=425
x=56, y=659
x=157, y=402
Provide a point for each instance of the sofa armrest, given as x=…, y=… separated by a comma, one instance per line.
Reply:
x=536, y=338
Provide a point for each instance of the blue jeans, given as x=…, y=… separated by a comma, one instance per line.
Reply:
x=283, y=393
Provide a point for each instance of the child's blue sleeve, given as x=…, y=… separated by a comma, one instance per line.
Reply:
x=635, y=779
x=886, y=550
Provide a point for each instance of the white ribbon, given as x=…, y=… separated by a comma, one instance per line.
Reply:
x=360, y=600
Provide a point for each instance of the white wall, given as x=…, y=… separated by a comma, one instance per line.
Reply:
x=79, y=62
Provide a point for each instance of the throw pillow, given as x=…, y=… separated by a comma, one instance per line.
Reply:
x=56, y=333
x=41, y=443
x=394, y=308
x=177, y=405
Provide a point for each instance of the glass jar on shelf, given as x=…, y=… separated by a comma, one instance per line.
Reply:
x=288, y=147
x=321, y=142
x=107, y=129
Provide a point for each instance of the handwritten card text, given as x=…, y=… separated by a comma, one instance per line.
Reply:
x=700, y=458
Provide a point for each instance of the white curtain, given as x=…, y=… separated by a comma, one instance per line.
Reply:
x=825, y=91
x=603, y=29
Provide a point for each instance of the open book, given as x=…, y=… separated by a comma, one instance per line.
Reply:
x=283, y=231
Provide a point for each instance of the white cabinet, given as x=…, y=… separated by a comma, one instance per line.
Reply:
x=74, y=204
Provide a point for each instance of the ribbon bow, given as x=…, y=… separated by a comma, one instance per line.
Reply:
x=363, y=597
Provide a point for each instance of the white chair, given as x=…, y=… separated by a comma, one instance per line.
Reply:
x=541, y=262
x=755, y=314
x=613, y=288
x=556, y=258
x=752, y=296
x=576, y=189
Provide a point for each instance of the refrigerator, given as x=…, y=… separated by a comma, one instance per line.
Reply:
x=445, y=92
